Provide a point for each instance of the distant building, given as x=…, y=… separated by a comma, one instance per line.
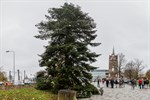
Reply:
x=101, y=73
x=113, y=64
x=111, y=72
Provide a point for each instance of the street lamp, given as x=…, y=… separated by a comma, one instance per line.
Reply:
x=13, y=64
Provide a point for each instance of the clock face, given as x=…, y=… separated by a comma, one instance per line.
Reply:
x=113, y=69
x=112, y=58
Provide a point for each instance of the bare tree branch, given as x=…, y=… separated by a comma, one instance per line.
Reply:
x=121, y=62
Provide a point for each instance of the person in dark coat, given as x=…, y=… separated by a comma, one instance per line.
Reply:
x=116, y=82
x=107, y=83
x=112, y=83
x=133, y=83
x=147, y=82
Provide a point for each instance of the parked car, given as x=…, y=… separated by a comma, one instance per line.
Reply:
x=1, y=83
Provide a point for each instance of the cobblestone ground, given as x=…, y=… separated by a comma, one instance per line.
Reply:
x=126, y=93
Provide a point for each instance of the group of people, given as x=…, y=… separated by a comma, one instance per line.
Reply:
x=119, y=82
x=141, y=83
x=100, y=82
x=114, y=82
x=110, y=82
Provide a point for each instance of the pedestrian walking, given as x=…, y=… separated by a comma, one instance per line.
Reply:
x=133, y=83
x=143, y=83
x=98, y=81
x=116, y=82
x=107, y=82
x=112, y=83
x=147, y=83
x=140, y=83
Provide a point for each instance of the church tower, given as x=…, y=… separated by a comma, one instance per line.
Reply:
x=113, y=65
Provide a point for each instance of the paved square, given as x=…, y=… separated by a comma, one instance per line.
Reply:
x=126, y=93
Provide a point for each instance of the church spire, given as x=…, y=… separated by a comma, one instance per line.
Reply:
x=113, y=53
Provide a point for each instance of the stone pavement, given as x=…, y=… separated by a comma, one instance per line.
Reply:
x=126, y=93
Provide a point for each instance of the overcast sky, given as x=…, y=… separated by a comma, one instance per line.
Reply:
x=123, y=24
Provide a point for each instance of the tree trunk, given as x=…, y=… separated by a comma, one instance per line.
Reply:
x=67, y=95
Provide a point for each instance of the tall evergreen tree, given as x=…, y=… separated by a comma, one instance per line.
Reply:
x=67, y=58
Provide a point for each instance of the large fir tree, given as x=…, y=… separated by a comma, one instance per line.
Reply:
x=67, y=58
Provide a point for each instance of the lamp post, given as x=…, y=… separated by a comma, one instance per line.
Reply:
x=13, y=65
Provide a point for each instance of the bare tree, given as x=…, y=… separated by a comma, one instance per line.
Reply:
x=148, y=74
x=133, y=69
x=121, y=63
x=2, y=75
x=129, y=71
x=139, y=66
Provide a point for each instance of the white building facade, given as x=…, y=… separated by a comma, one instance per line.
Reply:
x=100, y=73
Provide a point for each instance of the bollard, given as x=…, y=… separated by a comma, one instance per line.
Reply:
x=67, y=95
